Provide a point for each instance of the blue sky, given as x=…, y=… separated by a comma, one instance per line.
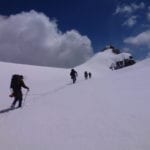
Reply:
x=122, y=23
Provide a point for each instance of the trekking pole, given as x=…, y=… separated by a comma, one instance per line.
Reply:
x=25, y=97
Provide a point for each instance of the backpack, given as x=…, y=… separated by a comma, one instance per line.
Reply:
x=15, y=81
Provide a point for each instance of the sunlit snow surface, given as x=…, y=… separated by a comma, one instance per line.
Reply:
x=110, y=111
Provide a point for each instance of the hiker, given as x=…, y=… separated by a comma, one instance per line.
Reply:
x=90, y=74
x=16, y=84
x=73, y=75
x=85, y=75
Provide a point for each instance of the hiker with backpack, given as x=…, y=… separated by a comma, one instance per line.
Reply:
x=16, y=85
x=90, y=74
x=73, y=75
x=85, y=75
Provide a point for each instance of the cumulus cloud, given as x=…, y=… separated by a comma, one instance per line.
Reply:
x=126, y=49
x=148, y=16
x=129, y=9
x=130, y=22
x=142, y=39
x=148, y=56
x=32, y=38
x=129, y=12
x=123, y=9
x=136, y=6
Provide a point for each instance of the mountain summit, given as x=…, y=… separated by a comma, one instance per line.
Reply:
x=110, y=58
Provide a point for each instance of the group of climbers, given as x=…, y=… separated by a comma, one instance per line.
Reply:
x=74, y=75
x=17, y=84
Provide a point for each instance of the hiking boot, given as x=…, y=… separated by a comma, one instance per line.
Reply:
x=12, y=106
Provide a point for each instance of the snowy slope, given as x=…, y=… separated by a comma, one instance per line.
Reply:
x=108, y=112
x=102, y=61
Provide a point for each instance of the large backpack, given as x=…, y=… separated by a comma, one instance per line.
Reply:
x=15, y=81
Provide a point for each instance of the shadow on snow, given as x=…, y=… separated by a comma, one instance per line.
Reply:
x=6, y=110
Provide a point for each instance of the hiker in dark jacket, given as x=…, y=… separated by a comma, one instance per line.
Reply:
x=16, y=84
x=85, y=75
x=73, y=75
x=90, y=74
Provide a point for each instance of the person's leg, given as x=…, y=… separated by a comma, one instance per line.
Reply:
x=20, y=101
x=14, y=102
x=74, y=79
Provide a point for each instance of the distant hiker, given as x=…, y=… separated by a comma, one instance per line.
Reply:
x=85, y=75
x=73, y=75
x=16, y=84
x=90, y=74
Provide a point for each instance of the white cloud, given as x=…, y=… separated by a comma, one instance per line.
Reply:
x=32, y=38
x=136, y=7
x=123, y=9
x=130, y=22
x=129, y=9
x=148, y=55
x=148, y=16
x=126, y=49
x=142, y=39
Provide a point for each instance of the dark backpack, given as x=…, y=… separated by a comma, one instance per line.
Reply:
x=15, y=81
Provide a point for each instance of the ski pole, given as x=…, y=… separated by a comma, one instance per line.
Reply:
x=25, y=97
